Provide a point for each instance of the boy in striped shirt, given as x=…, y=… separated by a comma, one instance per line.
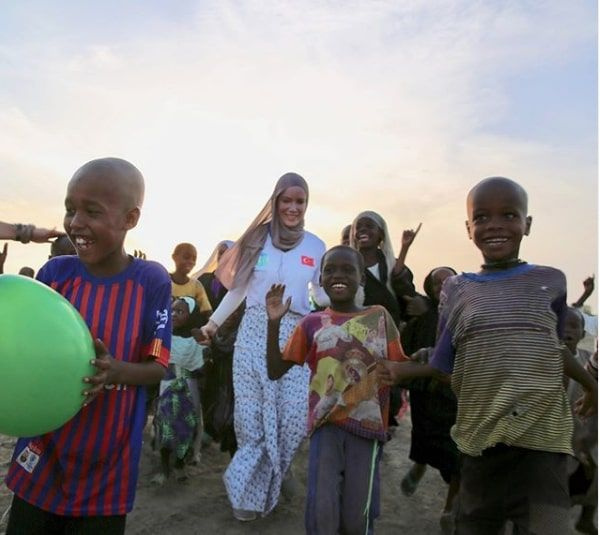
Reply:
x=499, y=338
x=81, y=478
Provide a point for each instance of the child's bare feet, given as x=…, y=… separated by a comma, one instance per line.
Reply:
x=411, y=480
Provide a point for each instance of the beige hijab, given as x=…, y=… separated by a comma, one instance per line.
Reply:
x=237, y=263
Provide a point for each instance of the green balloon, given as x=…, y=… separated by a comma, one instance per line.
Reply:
x=45, y=352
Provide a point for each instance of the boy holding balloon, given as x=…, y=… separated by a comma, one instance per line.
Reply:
x=81, y=478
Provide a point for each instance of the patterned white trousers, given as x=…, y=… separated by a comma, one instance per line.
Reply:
x=270, y=416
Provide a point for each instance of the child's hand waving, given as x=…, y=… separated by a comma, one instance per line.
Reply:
x=105, y=374
x=409, y=235
x=276, y=309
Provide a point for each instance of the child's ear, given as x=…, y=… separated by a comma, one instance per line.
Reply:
x=131, y=218
x=468, y=230
x=527, y=225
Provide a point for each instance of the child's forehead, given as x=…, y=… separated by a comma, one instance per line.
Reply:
x=185, y=251
x=94, y=187
x=341, y=256
x=497, y=193
x=179, y=305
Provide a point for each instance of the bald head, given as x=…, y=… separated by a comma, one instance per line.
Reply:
x=495, y=184
x=120, y=176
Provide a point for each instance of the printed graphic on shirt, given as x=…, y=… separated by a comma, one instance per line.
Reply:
x=29, y=457
x=262, y=261
x=307, y=261
x=342, y=353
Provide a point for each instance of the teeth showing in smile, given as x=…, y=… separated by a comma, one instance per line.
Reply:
x=496, y=241
x=82, y=243
x=338, y=286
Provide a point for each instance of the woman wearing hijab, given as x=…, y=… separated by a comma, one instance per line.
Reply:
x=270, y=416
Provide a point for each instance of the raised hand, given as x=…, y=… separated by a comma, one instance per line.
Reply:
x=409, y=235
x=276, y=308
x=139, y=254
x=588, y=285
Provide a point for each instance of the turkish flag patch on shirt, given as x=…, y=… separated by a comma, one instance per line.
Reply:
x=307, y=261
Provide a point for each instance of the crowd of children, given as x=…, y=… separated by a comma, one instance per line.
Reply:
x=275, y=339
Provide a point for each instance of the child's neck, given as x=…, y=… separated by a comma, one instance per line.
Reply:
x=345, y=307
x=179, y=278
x=370, y=256
x=498, y=265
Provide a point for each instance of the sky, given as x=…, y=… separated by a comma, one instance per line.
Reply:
x=396, y=107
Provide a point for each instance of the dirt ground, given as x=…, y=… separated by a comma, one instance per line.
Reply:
x=200, y=504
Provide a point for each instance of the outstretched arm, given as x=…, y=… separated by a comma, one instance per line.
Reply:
x=276, y=309
x=588, y=404
x=408, y=237
x=390, y=373
x=588, y=288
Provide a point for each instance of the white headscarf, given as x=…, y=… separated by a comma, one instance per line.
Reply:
x=386, y=244
x=213, y=260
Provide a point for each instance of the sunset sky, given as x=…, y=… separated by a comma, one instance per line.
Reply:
x=394, y=106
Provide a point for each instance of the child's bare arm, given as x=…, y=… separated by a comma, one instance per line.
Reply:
x=588, y=289
x=588, y=404
x=276, y=309
x=390, y=373
x=408, y=236
x=117, y=372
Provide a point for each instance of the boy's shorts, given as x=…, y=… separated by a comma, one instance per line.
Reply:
x=340, y=467
x=27, y=519
x=527, y=487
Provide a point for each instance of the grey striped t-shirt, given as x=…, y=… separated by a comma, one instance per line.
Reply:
x=500, y=339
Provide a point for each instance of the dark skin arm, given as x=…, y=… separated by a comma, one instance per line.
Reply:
x=116, y=372
x=408, y=237
x=276, y=309
x=588, y=404
x=3, y=255
x=588, y=289
x=390, y=373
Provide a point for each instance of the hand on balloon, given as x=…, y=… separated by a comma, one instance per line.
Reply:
x=276, y=308
x=105, y=374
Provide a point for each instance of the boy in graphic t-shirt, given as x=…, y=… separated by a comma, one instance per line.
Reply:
x=341, y=345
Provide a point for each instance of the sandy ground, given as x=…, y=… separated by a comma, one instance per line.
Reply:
x=200, y=504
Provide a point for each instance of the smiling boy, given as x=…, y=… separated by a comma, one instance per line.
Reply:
x=84, y=473
x=499, y=339
x=347, y=407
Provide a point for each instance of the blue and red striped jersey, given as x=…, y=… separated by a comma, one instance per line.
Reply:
x=89, y=466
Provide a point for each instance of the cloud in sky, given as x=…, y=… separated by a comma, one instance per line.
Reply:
x=393, y=106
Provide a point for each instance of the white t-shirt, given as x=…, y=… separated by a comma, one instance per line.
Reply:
x=295, y=268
